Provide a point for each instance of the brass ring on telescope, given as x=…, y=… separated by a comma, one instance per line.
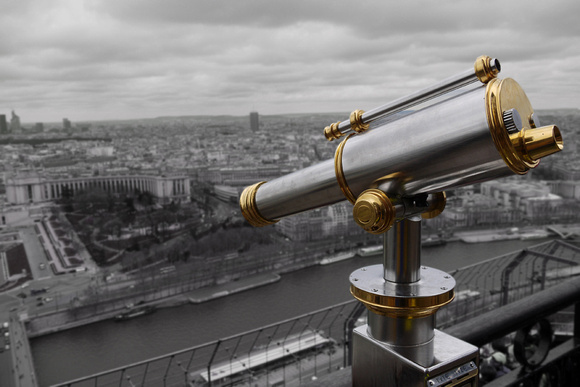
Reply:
x=340, y=173
x=483, y=69
x=356, y=123
x=331, y=132
x=249, y=208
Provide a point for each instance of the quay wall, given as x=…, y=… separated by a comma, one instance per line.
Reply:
x=68, y=318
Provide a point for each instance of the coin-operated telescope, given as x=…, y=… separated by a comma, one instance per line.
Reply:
x=394, y=169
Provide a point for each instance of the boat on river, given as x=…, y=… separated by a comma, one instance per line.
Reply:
x=433, y=241
x=142, y=311
x=368, y=251
x=374, y=250
x=338, y=258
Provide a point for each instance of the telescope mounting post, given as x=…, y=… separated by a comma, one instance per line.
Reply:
x=399, y=346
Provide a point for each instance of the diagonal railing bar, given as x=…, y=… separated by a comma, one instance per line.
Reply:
x=504, y=320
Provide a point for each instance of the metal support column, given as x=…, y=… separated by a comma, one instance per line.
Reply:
x=400, y=345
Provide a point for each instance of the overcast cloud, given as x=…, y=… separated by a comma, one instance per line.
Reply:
x=118, y=59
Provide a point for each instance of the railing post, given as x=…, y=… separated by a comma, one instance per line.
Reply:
x=210, y=362
x=349, y=324
x=167, y=370
x=577, y=320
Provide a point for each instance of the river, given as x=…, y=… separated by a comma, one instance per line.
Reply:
x=101, y=346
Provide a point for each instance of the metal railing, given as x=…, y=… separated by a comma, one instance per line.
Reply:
x=480, y=288
x=240, y=359
x=505, y=279
x=560, y=369
x=557, y=365
x=502, y=321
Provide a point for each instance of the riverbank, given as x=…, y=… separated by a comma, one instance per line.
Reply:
x=56, y=321
x=338, y=258
x=504, y=234
x=208, y=294
x=17, y=355
x=59, y=321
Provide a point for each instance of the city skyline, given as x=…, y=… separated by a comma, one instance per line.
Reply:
x=105, y=60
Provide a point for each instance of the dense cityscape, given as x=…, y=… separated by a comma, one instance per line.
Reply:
x=110, y=220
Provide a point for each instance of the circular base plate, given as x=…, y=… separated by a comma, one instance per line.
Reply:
x=421, y=298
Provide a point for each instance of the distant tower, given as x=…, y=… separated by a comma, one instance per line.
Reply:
x=15, y=123
x=3, y=124
x=254, y=122
x=39, y=127
x=66, y=125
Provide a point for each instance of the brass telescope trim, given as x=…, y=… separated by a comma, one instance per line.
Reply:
x=356, y=122
x=486, y=68
x=338, y=170
x=332, y=132
x=249, y=208
x=385, y=298
x=374, y=211
x=512, y=124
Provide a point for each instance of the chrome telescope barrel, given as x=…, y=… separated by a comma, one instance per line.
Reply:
x=482, y=133
x=484, y=69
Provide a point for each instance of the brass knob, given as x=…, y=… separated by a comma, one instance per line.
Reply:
x=331, y=132
x=512, y=121
x=486, y=68
x=374, y=212
x=356, y=122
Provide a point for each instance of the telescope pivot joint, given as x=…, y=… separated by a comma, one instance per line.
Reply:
x=375, y=212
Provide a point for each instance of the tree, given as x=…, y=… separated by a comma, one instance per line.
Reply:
x=66, y=198
x=113, y=227
x=90, y=201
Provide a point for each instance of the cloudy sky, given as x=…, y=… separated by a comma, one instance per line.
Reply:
x=120, y=59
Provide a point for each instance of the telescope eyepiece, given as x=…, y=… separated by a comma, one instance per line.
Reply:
x=542, y=142
x=495, y=65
